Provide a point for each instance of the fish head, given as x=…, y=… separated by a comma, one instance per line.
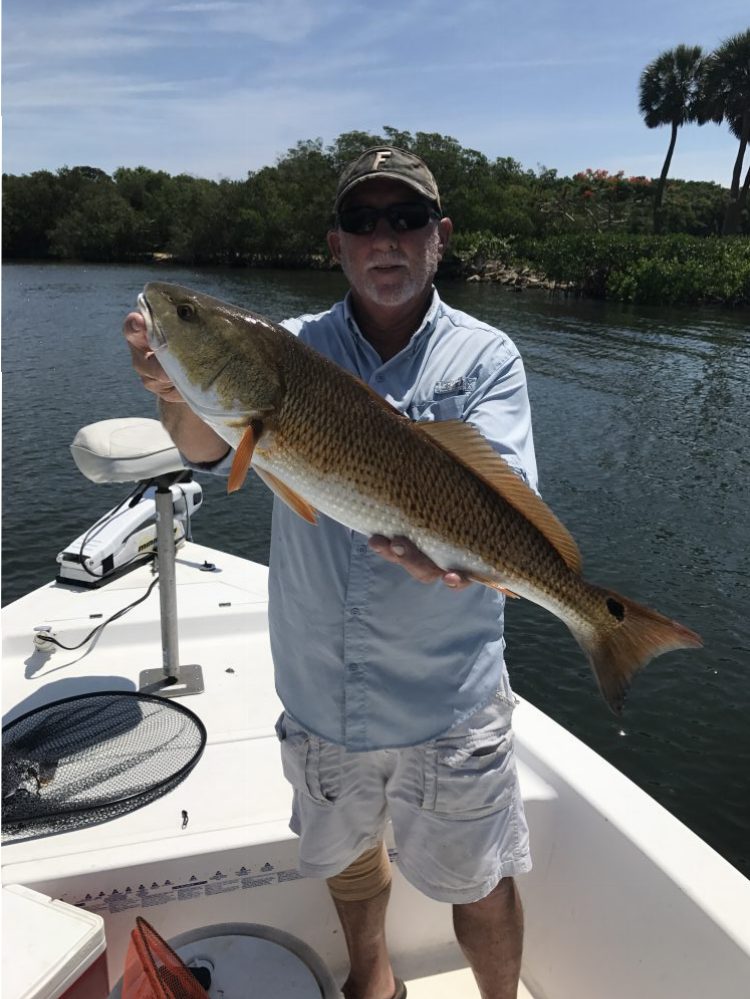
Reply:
x=226, y=362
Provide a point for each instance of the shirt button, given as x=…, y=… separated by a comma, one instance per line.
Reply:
x=378, y=378
x=355, y=611
x=362, y=550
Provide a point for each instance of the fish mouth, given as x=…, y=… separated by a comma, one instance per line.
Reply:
x=154, y=332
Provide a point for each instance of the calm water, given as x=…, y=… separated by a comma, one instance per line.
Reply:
x=642, y=429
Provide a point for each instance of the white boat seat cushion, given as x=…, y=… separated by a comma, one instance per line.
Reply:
x=125, y=450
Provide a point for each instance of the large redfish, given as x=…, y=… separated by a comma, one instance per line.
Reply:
x=324, y=441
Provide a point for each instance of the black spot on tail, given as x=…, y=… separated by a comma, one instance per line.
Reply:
x=615, y=608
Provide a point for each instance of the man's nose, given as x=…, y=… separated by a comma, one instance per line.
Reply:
x=384, y=233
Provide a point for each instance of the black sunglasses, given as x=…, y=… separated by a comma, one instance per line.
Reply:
x=362, y=219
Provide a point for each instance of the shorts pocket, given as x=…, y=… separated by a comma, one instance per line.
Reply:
x=310, y=764
x=473, y=779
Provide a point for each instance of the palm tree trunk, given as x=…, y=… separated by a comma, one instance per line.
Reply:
x=742, y=200
x=745, y=189
x=663, y=180
x=737, y=198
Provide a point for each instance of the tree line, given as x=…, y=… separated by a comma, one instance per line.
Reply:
x=279, y=214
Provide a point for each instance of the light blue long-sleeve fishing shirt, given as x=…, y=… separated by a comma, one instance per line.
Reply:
x=365, y=655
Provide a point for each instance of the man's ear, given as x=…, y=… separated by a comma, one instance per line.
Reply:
x=334, y=244
x=445, y=230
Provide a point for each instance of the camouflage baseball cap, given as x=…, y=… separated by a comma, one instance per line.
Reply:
x=390, y=162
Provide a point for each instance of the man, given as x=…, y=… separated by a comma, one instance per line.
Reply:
x=397, y=700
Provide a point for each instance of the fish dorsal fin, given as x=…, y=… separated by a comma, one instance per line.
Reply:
x=466, y=444
x=242, y=458
x=292, y=499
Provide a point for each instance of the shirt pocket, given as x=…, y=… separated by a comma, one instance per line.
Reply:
x=310, y=764
x=449, y=407
x=473, y=778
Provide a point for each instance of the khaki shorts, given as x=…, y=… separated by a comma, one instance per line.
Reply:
x=455, y=804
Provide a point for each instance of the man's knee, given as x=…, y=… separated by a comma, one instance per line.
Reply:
x=366, y=877
x=503, y=894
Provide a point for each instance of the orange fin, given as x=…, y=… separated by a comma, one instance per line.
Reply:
x=242, y=458
x=476, y=577
x=289, y=496
x=626, y=637
x=465, y=443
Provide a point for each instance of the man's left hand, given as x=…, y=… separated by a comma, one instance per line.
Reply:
x=402, y=552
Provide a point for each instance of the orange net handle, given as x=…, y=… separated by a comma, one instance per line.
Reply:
x=154, y=971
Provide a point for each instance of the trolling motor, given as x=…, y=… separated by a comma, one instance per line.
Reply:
x=152, y=521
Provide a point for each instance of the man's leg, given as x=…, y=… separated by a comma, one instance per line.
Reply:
x=360, y=894
x=490, y=933
x=363, y=922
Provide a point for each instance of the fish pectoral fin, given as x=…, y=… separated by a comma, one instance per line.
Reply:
x=292, y=499
x=242, y=458
x=466, y=444
x=477, y=577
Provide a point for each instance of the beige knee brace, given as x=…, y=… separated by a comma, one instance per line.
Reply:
x=365, y=878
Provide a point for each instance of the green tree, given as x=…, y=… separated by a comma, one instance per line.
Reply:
x=727, y=98
x=199, y=225
x=31, y=206
x=289, y=205
x=99, y=226
x=670, y=88
x=147, y=193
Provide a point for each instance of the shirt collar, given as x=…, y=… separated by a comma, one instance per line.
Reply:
x=425, y=328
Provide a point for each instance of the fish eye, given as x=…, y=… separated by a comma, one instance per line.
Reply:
x=186, y=312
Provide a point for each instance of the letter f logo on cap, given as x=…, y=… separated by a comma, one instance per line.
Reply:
x=382, y=156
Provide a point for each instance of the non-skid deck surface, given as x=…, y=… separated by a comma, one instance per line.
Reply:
x=458, y=984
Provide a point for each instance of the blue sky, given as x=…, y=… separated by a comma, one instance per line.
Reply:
x=219, y=87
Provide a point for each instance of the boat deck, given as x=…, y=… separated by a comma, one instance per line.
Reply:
x=610, y=865
x=457, y=984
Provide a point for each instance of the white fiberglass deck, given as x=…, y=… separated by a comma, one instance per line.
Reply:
x=623, y=901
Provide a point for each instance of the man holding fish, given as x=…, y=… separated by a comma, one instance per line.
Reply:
x=388, y=656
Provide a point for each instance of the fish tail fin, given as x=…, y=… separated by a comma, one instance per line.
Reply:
x=630, y=637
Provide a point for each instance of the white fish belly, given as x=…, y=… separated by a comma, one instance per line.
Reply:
x=335, y=497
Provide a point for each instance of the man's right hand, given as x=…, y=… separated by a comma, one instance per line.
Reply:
x=148, y=369
x=195, y=439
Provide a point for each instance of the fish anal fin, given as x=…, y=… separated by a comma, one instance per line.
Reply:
x=242, y=458
x=292, y=499
x=477, y=577
x=466, y=444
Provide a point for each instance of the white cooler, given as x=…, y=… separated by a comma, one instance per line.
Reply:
x=51, y=950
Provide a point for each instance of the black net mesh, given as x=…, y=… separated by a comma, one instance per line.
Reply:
x=94, y=757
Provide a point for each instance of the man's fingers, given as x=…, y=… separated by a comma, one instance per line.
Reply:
x=151, y=373
x=401, y=551
x=135, y=331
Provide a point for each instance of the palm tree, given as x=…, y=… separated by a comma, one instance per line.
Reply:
x=727, y=98
x=669, y=90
